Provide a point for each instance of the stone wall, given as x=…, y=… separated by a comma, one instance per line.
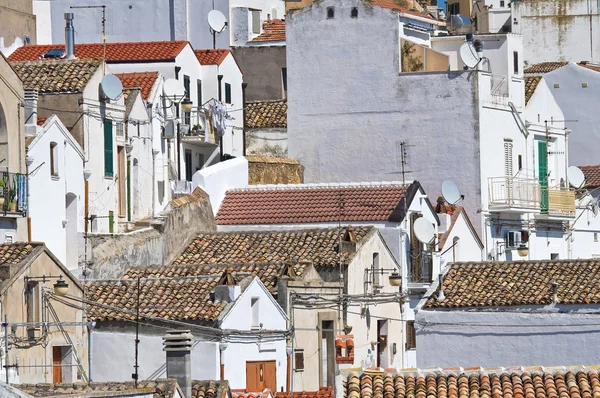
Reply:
x=112, y=254
x=272, y=170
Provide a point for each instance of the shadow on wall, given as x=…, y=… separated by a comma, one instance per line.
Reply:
x=273, y=170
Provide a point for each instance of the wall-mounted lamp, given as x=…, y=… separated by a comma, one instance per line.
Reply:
x=61, y=288
x=187, y=105
x=523, y=250
x=29, y=160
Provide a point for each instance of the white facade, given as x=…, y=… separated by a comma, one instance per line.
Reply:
x=56, y=201
x=216, y=180
x=585, y=230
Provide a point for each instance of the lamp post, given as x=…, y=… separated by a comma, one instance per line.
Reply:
x=61, y=288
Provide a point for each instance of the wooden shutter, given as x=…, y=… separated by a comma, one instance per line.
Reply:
x=508, y=159
x=108, y=148
x=411, y=335
x=256, y=22
x=298, y=360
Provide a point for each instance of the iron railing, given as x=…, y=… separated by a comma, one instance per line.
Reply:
x=13, y=193
x=421, y=267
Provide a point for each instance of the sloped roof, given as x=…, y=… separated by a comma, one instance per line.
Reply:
x=319, y=246
x=151, y=51
x=531, y=83
x=396, y=6
x=592, y=176
x=455, y=213
x=544, y=67
x=516, y=283
x=161, y=388
x=266, y=114
x=142, y=80
x=57, y=76
x=12, y=254
x=211, y=57
x=273, y=30
x=310, y=204
x=594, y=67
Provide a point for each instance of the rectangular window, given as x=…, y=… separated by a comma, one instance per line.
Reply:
x=186, y=86
x=520, y=160
x=299, y=360
x=284, y=80
x=376, y=280
x=508, y=159
x=256, y=22
x=516, y=62
x=53, y=159
x=228, y=93
x=254, y=308
x=108, y=148
x=33, y=302
x=120, y=130
x=411, y=335
x=501, y=3
x=595, y=236
x=454, y=9
x=554, y=256
x=199, y=92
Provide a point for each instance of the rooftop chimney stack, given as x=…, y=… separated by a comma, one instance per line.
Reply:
x=178, y=346
x=69, y=36
x=31, y=99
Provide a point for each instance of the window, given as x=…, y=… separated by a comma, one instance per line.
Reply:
x=354, y=12
x=227, y=93
x=595, y=236
x=411, y=335
x=330, y=12
x=284, y=81
x=274, y=13
x=299, y=360
x=501, y=3
x=376, y=281
x=520, y=160
x=516, y=62
x=256, y=22
x=454, y=9
x=508, y=159
x=186, y=85
x=33, y=301
x=53, y=159
x=108, y=148
x=554, y=256
x=120, y=131
x=199, y=92
x=254, y=308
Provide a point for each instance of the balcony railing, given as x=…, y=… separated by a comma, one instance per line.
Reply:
x=13, y=193
x=527, y=194
x=196, y=135
x=421, y=267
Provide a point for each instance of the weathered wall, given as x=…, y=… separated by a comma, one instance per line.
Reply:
x=262, y=67
x=267, y=142
x=112, y=255
x=16, y=20
x=271, y=170
x=72, y=117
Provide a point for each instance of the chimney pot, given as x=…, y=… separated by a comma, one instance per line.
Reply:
x=178, y=346
x=69, y=36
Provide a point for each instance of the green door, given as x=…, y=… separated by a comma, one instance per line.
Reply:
x=542, y=173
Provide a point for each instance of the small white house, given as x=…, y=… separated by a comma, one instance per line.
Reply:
x=56, y=189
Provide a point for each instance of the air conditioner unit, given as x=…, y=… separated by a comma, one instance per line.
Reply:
x=513, y=239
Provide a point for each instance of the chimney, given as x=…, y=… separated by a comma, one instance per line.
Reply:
x=69, y=36
x=31, y=99
x=348, y=243
x=178, y=346
x=227, y=293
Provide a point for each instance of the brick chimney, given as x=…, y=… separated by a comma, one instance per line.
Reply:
x=178, y=346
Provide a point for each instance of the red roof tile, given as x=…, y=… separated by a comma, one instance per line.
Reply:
x=144, y=80
x=306, y=204
x=273, y=30
x=594, y=67
x=592, y=176
x=393, y=5
x=151, y=51
x=544, y=67
x=211, y=57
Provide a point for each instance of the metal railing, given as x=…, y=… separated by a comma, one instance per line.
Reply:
x=196, y=134
x=13, y=193
x=421, y=267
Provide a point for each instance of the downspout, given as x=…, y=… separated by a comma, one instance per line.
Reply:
x=220, y=79
x=90, y=345
x=178, y=140
x=244, y=85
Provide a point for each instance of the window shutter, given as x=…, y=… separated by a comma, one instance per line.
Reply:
x=508, y=159
x=411, y=335
x=298, y=360
x=108, y=148
x=256, y=22
x=228, y=93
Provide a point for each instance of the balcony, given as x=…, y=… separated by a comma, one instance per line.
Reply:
x=420, y=267
x=197, y=136
x=527, y=195
x=13, y=194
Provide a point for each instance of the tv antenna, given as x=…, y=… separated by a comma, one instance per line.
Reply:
x=103, y=21
x=217, y=23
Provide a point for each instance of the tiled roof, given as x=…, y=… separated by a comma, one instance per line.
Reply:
x=308, y=204
x=57, y=76
x=151, y=51
x=266, y=114
x=211, y=57
x=142, y=80
x=594, y=67
x=273, y=30
x=210, y=389
x=394, y=5
x=592, y=176
x=544, y=67
x=162, y=388
x=319, y=246
x=324, y=392
x=183, y=299
x=515, y=283
x=14, y=253
x=476, y=383
x=531, y=83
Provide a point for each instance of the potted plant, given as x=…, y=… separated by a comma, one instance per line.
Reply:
x=2, y=191
x=12, y=195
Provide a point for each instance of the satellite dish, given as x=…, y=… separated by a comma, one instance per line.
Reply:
x=173, y=89
x=111, y=87
x=450, y=192
x=576, y=177
x=468, y=55
x=217, y=21
x=423, y=230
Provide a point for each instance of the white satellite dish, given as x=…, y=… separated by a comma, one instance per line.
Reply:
x=111, y=87
x=423, y=230
x=217, y=21
x=173, y=89
x=576, y=177
x=450, y=192
x=468, y=55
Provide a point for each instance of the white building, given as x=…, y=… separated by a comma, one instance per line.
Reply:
x=237, y=325
x=56, y=189
x=532, y=313
x=585, y=230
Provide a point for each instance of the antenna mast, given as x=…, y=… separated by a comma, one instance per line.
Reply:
x=103, y=20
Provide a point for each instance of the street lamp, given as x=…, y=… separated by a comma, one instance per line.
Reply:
x=395, y=279
x=61, y=288
x=187, y=105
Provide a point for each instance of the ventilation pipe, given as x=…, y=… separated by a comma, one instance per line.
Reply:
x=178, y=346
x=69, y=36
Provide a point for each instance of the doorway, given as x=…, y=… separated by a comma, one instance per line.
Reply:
x=382, y=333
x=71, y=231
x=135, y=184
x=62, y=361
x=543, y=175
x=122, y=177
x=327, y=354
x=261, y=375
x=188, y=165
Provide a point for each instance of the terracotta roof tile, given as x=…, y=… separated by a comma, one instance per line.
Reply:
x=210, y=389
x=15, y=253
x=594, y=67
x=142, y=80
x=544, y=67
x=323, y=392
x=56, y=76
x=211, y=57
x=592, y=176
x=266, y=114
x=319, y=246
x=162, y=388
x=531, y=83
x=151, y=51
x=273, y=30
x=396, y=6
x=311, y=204
x=515, y=283
x=182, y=299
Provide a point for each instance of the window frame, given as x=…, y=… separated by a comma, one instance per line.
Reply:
x=299, y=359
x=54, y=159
x=330, y=12
x=256, y=25
x=109, y=162
x=411, y=336
x=227, y=93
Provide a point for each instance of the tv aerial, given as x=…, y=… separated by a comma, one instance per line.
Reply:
x=450, y=192
x=217, y=23
x=423, y=230
x=111, y=86
x=576, y=177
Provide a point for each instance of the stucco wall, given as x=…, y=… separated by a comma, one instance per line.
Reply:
x=217, y=179
x=262, y=67
x=16, y=20
x=267, y=142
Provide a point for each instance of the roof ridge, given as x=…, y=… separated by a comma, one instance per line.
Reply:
x=372, y=184
x=277, y=231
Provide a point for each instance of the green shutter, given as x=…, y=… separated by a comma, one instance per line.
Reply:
x=108, y=148
x=228, y=93
x=542, y=171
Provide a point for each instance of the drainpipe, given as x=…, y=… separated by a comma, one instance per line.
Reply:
x=178, y=140
x=220, y=79
x=244, y=85
x=91, y=327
